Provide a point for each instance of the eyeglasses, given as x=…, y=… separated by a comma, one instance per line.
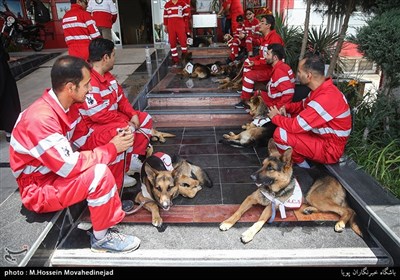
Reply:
x=249, y=14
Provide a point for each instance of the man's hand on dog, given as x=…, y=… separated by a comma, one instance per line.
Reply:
x=123, y=140
x=273, y=111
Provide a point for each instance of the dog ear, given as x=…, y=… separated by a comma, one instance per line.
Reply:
x=287, y=157
x=272, y=147
x=150, y=172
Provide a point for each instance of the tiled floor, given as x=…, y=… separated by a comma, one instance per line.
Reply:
x=229, y=168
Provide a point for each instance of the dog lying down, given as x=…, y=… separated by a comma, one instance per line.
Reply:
x=255, y=133
x=163, y=179
x=158, y=136
x=278, y=188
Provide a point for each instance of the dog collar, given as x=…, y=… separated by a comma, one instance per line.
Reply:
x=294, y=201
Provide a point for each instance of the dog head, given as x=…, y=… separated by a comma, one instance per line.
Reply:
x=276, y=171
x=257, y=106
x=158, y=177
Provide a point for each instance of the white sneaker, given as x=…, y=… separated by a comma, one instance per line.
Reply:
x=135, y=166
x=129, y=181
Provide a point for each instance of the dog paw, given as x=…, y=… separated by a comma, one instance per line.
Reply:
x=226, y=136
x=231, y=133
x=307, y=211
x=157, y=222
x=340, y=226
x=247, y=236
x=225, y=226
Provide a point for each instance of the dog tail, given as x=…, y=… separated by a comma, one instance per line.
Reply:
x=354, y=226
x=201, y=175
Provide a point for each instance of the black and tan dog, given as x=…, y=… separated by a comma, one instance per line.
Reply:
x=158, y=136
x=162, y=181
x=276, y=184
x=256, y=133
x=194, y=70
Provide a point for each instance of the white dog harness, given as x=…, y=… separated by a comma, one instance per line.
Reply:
x=293, y=202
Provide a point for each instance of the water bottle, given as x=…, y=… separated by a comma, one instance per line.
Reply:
x=147, y=52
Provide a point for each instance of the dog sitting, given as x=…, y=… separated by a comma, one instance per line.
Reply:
x=278, y=187
x=158, y=136
x=162, y=181
x=256, y=133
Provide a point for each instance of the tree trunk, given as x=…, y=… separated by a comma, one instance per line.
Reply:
x=349, y=10
x=306, y=26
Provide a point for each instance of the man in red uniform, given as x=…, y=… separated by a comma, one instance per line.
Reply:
x=107, y=109
x=251, y=26
x=255, y=68
x=280, y=87
x=176, y=24
x=104, y=14
x=79, y=29
x=319, y=126
x=51, y=175
x=235, y=9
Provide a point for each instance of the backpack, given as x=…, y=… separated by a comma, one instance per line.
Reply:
x=42, y=13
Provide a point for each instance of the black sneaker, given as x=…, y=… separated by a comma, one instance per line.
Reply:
x=241, y=105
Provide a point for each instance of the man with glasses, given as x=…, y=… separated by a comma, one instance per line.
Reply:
x=79, y=29
x=251, y=26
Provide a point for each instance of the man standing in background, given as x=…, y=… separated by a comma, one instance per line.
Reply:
x=79, y=29
x=104, y=13
x=176, y=22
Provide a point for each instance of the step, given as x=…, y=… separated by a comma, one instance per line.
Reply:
x=190, y=99
x=180, y=116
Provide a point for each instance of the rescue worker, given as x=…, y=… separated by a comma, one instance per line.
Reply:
x=104, y=13
x=106, y=109
x=176, y=24
x=319, y=126
x=52, y=176
x=235, y=9
x=255, y=69
x=251, y=26
x=280, y=87
x=79, y=29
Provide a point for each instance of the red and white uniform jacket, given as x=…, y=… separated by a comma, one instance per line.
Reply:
x=251, y=26
x=104, y=12
x=280, y=88
x=177, y=15
x=107, y=109
x=41, y=150
x=106, y=102
x=271, y=38
x=79, y=29
x=325, y=112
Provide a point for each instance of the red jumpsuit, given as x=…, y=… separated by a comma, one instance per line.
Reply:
x=176, y=19
x=51, y=176
x=235, y=10
x=104, y=13
x=318, y=128
x=251, y=27
x=280, y=88
x=79, y=29
x=106, y=109
x=260, y=71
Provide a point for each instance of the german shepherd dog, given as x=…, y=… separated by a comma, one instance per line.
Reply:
x=198, y=70
x=256, y=133
x=161, y=183
x=276, y=184
x=233, y=80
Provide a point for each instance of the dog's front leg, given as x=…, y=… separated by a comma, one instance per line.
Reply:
x=246, y=205
x=152, y=207
x=249, y=234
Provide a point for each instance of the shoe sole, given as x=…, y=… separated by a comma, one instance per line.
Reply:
x=111, y=251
